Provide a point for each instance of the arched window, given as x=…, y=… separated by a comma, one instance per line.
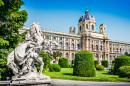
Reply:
x=101, y=30
x=80, y=28
x=47, y=37
x=113, y=57
x=66, y=46
x=104, y=30
x=86, y=26
x=61, y=54
x=72, y=55
x=72, y=45
x=96, y=47
x=110, y=57
x=73, y=32
x=117, y=50
x=101, y=47
x=92, y=46
x=92, y=27
x=67, y=55
x=96, y=57
x=120, y=50
x=78, y=46
x=60, y=45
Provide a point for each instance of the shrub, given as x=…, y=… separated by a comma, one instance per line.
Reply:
x=113, y=62
x=96, y=62
x=122, y=60
x=73, y=61
x=112, y=69
x=99, y=67
x=72, y=65
x=105, y=63
x=124, y=71
x=63, y=62
x=84, y=64
x=54, y=68
x=46, y=60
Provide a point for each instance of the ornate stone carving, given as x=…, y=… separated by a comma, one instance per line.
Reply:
x=26, y=55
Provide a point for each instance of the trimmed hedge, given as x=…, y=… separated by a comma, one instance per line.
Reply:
x=105, y=63
x=54, y=68
x=124, y=71
x=63, y=62
x=112, y=69
x=84, y=64
x=73, y=61
x=96, y=62
x=99, y=67
x=122, y=60
x=113, y=62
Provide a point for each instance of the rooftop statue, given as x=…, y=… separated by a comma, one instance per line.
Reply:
x=26, y=55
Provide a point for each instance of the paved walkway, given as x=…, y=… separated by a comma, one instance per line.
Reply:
x=59, y=82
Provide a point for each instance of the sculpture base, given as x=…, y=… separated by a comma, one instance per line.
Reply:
x=31, y=83
x=31, y=79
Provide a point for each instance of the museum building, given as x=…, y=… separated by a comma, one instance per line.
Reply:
x=86, y=39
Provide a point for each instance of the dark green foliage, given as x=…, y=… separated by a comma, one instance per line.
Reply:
x=73, y=61
x=105, y=63
x=122, y=60
x=63, y=62
x=96, y=62
x=112, y=69
x=113, y=62
x=124, y=71
x=126, y=53
x=84, y=64
x=54, y=68
x=99, y=67
x=72, y=65
x=46, y=59
x=56, y=54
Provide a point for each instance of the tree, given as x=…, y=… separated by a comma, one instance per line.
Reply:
x=126, y=53
x=11, y=19
x=56, y=54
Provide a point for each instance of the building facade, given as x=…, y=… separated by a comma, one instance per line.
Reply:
x=86, y=39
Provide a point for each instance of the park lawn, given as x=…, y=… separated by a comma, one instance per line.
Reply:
x=67, y=73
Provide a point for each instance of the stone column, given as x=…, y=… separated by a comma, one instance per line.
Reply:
x=90, y=45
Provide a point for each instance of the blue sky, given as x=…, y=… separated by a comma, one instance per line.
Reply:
x=60, y=15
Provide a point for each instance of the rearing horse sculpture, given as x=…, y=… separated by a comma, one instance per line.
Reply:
x=27, y=52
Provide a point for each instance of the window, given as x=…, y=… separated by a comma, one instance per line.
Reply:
x=91, y=41
x=54, y=37
x=60, y=45
x=66, y=46
x=92, y=27
x=80, y=28
x=78, y=46
x=120, y=50
x=67, y=55
x=60, y=38
x=113, y=57
x=96, y=47
x=72, y=39
x=92, y=47
x=72, y=55
x=66, y=39
x=117, y=50
x=110, y=57
x=47, y=37
x=86, y=26
x=96, y=57
x=101, y=47
x=72, y=46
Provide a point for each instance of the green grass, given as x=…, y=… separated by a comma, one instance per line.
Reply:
x=67, y=73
